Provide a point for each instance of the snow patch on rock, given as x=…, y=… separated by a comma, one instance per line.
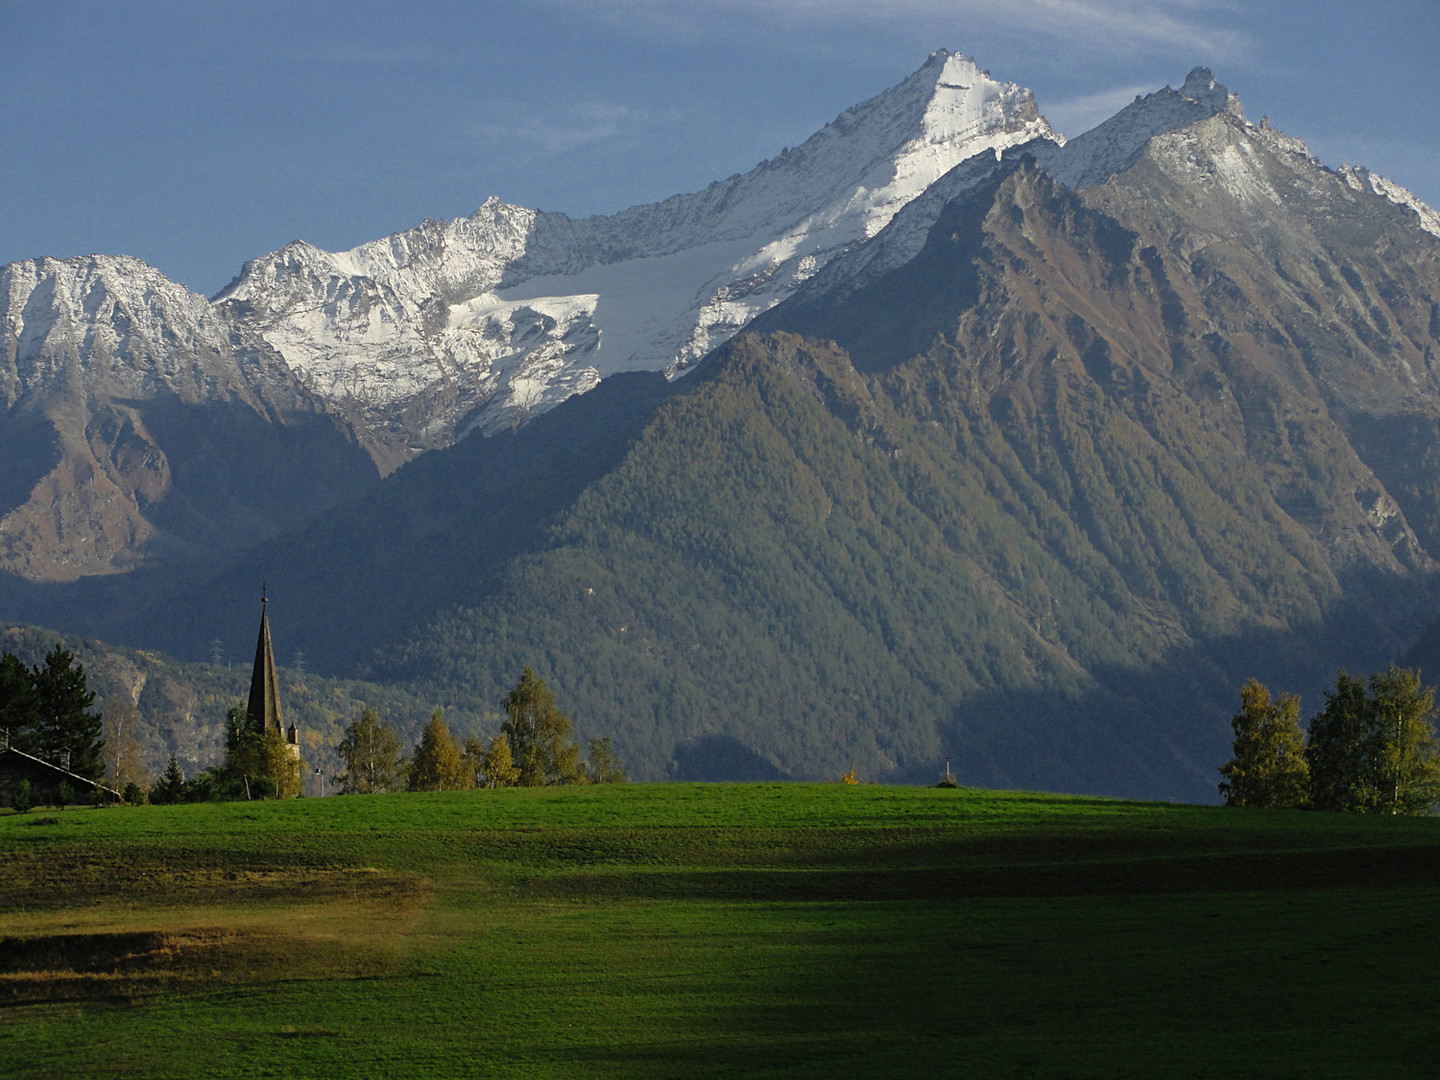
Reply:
x=1359, y=178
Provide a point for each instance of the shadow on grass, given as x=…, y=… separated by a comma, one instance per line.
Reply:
x=946, y=872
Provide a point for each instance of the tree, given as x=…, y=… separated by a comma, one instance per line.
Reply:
x=242, y=754
x=1269, y=767
x=498, y=766
x=19, y=705
x=472, y=760
x=603, y=766
x=1373, y=747
x=1339, y=748
x=280, y=762
x=371, y=753
x=170, y=788
x=123, y=764
x=68, y=730
x=1406, y=764
x=539, y=735
x=437, y=765
x=258, y=764
x=22, y=799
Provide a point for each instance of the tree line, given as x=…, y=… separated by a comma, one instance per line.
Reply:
x=46, y=711
x=1371, y=749
x=533, y=749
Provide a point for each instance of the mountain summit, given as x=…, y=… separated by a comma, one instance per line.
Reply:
x=486, y=320
x=406, y=343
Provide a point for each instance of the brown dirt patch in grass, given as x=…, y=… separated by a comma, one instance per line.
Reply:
x=30, y=882
x=124, y=966
x=215, y=928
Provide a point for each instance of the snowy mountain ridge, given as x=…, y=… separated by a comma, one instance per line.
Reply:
x=116, y=325
x=484, y=320
x=1088, y=159
x=1362, y=179
x=104, y=365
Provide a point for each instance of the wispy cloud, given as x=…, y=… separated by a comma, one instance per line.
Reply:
x=1102, y=26
x=529, y=132
x=1123, y=24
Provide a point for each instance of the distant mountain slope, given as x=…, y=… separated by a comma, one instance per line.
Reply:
x=789, y=565
x=146, y=423
x=1225, y=267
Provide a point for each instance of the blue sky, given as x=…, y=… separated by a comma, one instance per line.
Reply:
x=197, y=135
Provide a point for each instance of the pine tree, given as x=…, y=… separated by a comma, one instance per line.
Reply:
x=371, y=753
x=1269, y=767
x=437, y=765
x=68, y=730
x=22, y=798
x=170, y=788
x=19, y=705
x=243, y=758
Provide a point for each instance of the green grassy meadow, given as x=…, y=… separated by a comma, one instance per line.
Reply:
x=715, y=930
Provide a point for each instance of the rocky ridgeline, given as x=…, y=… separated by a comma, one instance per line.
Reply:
x=407, y=343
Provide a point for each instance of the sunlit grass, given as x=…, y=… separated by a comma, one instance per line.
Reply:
x=714, y=930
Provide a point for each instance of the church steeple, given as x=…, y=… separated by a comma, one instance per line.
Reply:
x=264, y=706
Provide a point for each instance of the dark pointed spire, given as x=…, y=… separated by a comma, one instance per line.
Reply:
x=264, y=706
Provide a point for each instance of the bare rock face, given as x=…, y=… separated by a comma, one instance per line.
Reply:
x=135, y=413
x=1205, y=274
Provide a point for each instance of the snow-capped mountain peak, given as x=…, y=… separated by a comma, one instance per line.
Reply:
x=1200, y=86
x=110, y=321
x=964, y=107
x=1113, y=146
x=486, y=319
